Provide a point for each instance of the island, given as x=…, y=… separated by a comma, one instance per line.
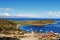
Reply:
x=35, y=22
x=40, y=22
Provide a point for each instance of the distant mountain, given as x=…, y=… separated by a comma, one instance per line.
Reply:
x=22, y=18
x=14, y=17
x=17, y=18
x=9, y=16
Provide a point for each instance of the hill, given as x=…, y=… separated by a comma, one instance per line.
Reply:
x=8, y=26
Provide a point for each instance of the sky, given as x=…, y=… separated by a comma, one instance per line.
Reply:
x=30, y=8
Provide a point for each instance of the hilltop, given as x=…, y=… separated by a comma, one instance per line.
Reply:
x=8, y=26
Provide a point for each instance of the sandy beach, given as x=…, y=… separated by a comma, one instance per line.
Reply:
x=29, y=38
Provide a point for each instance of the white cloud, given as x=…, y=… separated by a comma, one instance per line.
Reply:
x=41, y=15
x=49, y=15
x=19, y=15
x=52, y=15
x=27, y=15
x=6, y=9
x=32, y=15
x=36, y=15
x=5, y=14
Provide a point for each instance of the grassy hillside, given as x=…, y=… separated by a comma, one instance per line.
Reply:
x=7, y=26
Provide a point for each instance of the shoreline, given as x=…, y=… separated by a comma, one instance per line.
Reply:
x=33, y=36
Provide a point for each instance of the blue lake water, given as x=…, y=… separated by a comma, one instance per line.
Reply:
x=51, y=27
x=48, y=28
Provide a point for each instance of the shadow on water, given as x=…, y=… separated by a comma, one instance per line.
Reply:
x=8, y=38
